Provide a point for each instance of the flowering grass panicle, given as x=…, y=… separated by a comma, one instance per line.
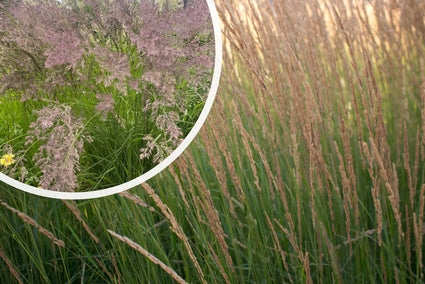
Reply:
x=105, y=104
x=157, y=149
x=62, y=138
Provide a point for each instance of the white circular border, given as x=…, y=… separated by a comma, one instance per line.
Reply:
x=166, y=162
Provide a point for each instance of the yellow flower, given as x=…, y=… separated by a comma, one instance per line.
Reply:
x=7, y=160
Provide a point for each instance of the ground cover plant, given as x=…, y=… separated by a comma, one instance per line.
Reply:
x=308, y=170
x=95, y=93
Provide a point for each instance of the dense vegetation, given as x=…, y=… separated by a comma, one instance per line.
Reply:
x=95, y=93
x=309, y=169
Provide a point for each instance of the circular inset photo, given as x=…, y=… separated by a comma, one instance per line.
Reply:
x=97, y=96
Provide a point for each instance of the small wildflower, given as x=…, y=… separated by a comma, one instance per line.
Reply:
x=7, y=160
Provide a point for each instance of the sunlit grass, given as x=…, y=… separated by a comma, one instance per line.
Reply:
x=308, y=170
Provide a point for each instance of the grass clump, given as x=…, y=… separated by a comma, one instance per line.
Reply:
x=309, y=168
x=96, y=94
